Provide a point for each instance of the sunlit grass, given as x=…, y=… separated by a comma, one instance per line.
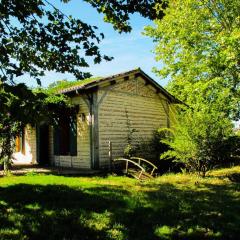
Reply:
x=173, y=206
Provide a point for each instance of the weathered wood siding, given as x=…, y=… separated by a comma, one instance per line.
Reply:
x=83, y=158
x=131, y=101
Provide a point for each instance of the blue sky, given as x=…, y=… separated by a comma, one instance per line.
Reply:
x=130, y=50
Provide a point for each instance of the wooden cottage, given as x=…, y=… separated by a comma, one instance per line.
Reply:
x=107, y=109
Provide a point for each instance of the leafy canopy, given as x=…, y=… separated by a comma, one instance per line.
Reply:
x=198, y=140
x=37, y=37
x=198, y=42
x=20, y=106
x=199, y=45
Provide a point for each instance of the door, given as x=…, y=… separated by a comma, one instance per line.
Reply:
x=43, y=145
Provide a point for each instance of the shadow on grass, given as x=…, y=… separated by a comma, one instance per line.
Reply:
x=110, y=212
x=208, y=212
x=234, y=177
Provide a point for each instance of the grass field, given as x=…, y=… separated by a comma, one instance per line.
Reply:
x=169, y=207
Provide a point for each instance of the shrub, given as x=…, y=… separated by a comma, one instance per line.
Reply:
x=151, y=149
x=229, y=151
x=197, y=138
x=129, y=150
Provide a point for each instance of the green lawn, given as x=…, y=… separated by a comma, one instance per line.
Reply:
x=169, y=207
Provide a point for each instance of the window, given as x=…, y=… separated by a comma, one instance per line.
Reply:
x=65, y=136
x=20, y=142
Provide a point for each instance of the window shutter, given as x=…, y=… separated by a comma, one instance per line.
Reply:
x=56, y=139
x=73, y=135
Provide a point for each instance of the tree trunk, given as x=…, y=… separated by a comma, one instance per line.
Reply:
x=6, y=153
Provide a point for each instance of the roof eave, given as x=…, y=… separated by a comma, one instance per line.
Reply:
x=96, y=83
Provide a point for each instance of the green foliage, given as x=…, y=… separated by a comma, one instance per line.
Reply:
x=229, y=151
x=129, y=151
x=20, y=106
x=41, y=38
x=37, y=37
x=197, y=138
x=118, y=12
x=151, y=149
x=157, y=143
x=60, y=85
x=198, y=42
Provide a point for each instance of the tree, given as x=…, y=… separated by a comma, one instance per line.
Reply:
x=35, y=36
x=20, y=106
x=199, y=44
x=198, y=140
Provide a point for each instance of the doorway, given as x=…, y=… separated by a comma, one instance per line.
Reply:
x=43, y=145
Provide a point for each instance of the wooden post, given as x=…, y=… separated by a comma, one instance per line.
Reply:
x=110, y=155
x=126, y=167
